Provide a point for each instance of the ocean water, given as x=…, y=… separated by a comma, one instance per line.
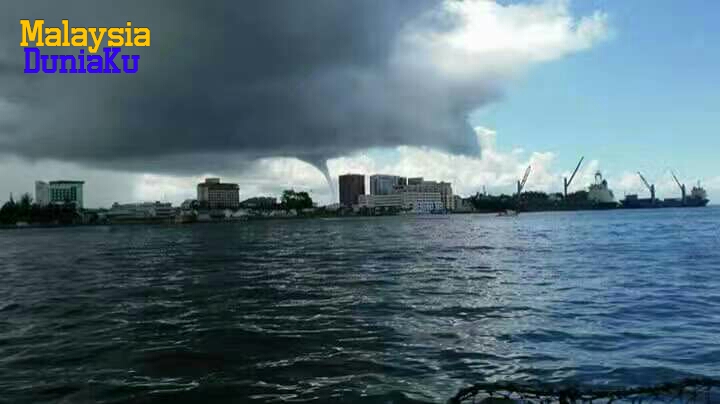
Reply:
x=386, y=310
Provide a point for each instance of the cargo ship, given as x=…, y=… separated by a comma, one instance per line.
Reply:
x=599, y=195
x=698, y=197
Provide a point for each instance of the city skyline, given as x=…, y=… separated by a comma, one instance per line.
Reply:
x=178, y=189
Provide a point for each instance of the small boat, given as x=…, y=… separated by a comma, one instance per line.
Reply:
x=508, y=212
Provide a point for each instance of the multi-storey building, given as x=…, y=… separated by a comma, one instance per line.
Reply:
x=141, y=211
x=443, y=188
x=214, y=195
x=59, y=193
x=385, y=184
x=381, y=201
x=463, y=205
x=416, y=202
x=351, y=186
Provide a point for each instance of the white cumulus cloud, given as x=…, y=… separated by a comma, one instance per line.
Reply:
x=489, y=39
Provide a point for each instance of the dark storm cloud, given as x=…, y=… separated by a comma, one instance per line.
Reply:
x=226, y=82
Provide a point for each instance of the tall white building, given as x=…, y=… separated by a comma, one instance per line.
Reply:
x=385, y=184
x=59, y=192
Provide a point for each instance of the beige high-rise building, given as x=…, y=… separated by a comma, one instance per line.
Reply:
x=214, y=195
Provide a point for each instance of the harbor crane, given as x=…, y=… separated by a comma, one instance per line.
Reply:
x=650, y=187
x=682, y=186
x=568, y=182
x=521, y=184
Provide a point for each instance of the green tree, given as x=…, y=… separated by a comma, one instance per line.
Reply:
x=295, y=200
x=24, y=208
x=8, y=212
x=490, y=203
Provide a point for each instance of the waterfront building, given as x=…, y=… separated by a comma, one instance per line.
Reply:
x=463, y=205
x=385, y=184
x=59, y=193
x=215, y=195
x=381, y=201
x=146, y=211
x=443, y=188
x=422, y=202
x=351, y=186
x=410, y=201
x=457, y=202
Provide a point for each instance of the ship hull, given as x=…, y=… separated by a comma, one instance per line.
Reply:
x=640, y=204
x=696, y=203
x=673, y=203
x=668, y=203
x=605, y=205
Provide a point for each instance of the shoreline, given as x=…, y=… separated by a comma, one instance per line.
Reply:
x=311, y=217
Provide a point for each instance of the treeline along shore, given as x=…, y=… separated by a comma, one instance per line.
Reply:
x=294, y=205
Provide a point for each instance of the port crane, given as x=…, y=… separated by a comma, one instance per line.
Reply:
x=682, y=186
x=521, y=184
x=650, y=187
x=568, y=182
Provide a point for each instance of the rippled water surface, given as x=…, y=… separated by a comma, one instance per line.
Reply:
x=397, y=309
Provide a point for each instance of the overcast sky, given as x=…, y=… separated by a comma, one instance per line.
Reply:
x=274, y=95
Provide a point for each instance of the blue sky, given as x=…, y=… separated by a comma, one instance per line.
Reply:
x=644, y=99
